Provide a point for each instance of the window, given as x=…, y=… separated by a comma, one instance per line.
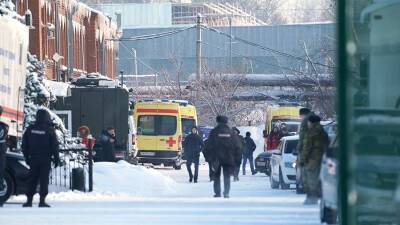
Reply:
x=167, y=125
x=187, y=125
x=157, y=125
x=147, y=125
x=291, y=146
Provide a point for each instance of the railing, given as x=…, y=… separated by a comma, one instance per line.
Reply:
x=74, y=163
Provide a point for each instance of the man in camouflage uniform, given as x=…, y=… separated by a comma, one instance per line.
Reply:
x=316, y=141
x=303, y=132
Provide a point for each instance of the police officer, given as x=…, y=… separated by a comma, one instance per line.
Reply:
x=3, y=149
x=311, y=155
x=40, y=148
x=225, y=146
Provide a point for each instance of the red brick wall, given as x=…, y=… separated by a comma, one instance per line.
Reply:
x=86, y=45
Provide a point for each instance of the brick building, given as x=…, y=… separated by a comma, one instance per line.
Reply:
x=73, y=34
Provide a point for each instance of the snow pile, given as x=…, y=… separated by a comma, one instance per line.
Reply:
x=256, y=134
x=124, y=178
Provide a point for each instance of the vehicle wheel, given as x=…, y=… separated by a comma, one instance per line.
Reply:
x=177, y=167
x=8, y=188
x=284, y=186
x=274, y=184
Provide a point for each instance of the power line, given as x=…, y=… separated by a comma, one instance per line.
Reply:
x=152, y=36
x=257, y=60
x=137, y=58
x=263, y=47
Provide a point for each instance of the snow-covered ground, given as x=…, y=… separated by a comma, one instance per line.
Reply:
x=127, y=194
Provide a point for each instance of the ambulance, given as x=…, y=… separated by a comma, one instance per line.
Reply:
x=161, y=126
x=282, y=113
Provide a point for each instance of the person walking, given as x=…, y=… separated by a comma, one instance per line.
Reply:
x=225, y=148
x=108, y=142
x=192, y=146
x=3, y=150
x=40, y=148
x=249, y=148
x=239, y=161
x=311, y=155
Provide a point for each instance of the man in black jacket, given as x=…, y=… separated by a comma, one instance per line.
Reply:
x=239, y=161
x=40, y=148
x=108, y=142
x=193, y=145
x=249, y=148
x=225, y=148
x=3, y=149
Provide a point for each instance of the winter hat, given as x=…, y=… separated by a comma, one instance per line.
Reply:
x=248, y=134
x=222, y=119
x=304, y=111
x=42, y=117
x=314, y=119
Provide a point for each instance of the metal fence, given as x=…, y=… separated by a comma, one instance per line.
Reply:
x=76, y=170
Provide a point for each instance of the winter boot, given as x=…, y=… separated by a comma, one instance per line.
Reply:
x=43, y=204
x=217, y=196
x=28, y=202
x=226, y=195
x=190, y=180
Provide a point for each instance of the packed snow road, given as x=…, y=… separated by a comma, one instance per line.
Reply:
x=164, y=196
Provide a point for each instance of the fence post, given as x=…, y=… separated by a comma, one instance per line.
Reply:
x=90, y=165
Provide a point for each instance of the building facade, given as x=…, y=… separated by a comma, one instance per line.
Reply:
x=71, y=38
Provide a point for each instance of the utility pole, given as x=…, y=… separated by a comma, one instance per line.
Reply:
x=135, y=67
x=198, y=48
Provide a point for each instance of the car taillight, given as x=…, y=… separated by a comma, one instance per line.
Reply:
x=180, y=141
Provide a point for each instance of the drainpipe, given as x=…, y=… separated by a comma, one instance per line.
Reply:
x=70, y=40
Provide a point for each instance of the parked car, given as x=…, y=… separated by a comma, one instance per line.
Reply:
x=283, y=163
x=262, y=163
x=329, y=182
x=16, y=176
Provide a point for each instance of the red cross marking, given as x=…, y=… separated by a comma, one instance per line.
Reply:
x=171, y=141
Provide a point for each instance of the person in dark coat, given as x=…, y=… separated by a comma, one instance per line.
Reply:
x=249, y=148
x=40, y=148
x=3, y=149
x=225, y=148
x=239, y=161
x=108, y=142
x=192, y=146
x=209, y=156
